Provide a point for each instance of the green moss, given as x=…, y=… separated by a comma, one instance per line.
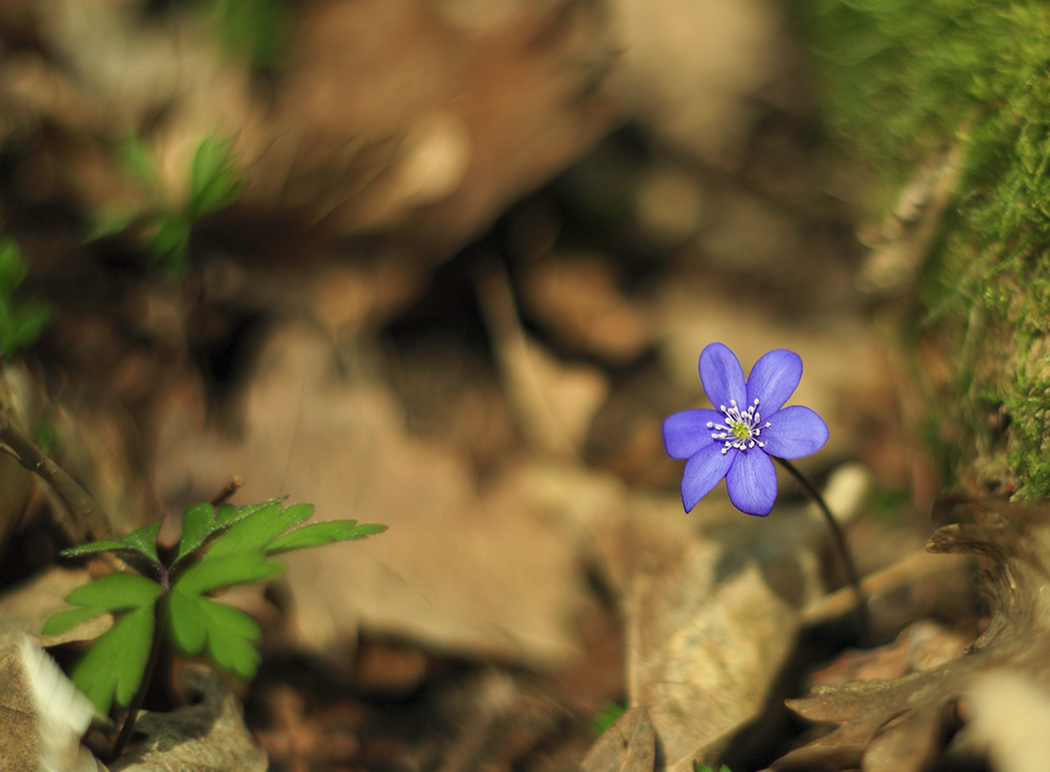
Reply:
x=904, y=79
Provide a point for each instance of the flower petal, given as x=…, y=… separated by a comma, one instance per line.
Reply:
x=722, y=376
x=794, y=432
x=703, y=472
x=686, y=433
x=773, y=380
x=752, y=483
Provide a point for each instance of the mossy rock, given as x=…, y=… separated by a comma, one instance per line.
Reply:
x=901, y=81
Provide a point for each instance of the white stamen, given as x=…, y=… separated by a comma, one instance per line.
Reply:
x=741, y=429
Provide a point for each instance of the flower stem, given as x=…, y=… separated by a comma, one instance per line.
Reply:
x=863, y=619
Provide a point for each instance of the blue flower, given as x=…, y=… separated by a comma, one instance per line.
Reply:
x=750, y=425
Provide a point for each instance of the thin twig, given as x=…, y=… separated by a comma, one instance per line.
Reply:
x=82, y=507
x=905, y=572
x=863, y=619
x=234, y=484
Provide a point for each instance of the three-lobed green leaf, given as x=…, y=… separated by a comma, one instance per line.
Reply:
x=237, y=543
x=115, y=592
x=142, y=541
x=258, y=529
x=318, y=534
x=112, y=669
x=198, y=523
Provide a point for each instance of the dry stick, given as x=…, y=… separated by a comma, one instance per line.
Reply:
x=840, y=542
x=234, y=484
x=83, y=508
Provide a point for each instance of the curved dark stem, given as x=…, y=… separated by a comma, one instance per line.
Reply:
x=87, y=515
x=147, y=679
x=863, y=619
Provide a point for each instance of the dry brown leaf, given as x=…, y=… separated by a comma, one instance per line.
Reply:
x=19, y=740
x=28, y=740
x=692, y=70
x=554, y=401
x=576, y=297
x=207, y=737
x=711, y=600
x=629, y=745
x=483, y=572
x=384, y=114
x=922, y=645
x=712, y=609
x=897, y=724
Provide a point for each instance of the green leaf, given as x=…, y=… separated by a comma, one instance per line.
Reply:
x=136, y=161
x=171, y=243
x=228, y=633
x=92, y=547
x=258, y=29
x=607, y=716
x=20, y=322
x=68, y=619
x=698, y=767
x=225, y=514
x=111, y=219
x=323, y=533
x=186, y=622
x=231, y=638
x=198, y=523
x=13, y=268
x=259, y=529
x=112, y=669
x=115, y=592
x=144, y=541
x=229, y=515
x=214, y=181
x=228, y=570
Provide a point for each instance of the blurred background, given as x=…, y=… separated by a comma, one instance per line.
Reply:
x=447, y=265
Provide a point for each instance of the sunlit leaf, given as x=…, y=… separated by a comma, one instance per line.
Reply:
x=231, y=638
x=68, y=619
x=226, y=571
x=186, y=622
x=318, y=534
x=198, y=523
x=229, y=515
x=92, y=547
x=144, y=541
x=112, y=669
x=115, y=592
x=228, y=633
x=258, y=530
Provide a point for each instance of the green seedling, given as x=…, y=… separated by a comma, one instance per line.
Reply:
x=698, y=767
x=20, y=320
x=255, y=30
x=169, y=599
x=607, y=716
x=214, y=184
